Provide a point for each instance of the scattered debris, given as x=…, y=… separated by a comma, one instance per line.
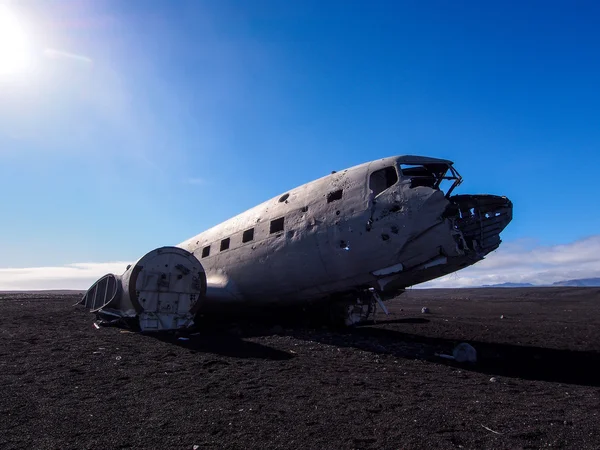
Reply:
x=489, y=429
x=462, y=353
x=424, y=310
x=465, y=353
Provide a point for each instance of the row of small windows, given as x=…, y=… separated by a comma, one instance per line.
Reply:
x=378, y=182
x=276, y=226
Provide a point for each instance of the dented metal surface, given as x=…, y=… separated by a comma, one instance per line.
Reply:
x=374, y=228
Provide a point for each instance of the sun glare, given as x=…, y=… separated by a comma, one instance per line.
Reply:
x=15, y=52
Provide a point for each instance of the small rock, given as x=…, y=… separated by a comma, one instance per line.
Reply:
x=465, y=353
x=493, y=380
x=502, y=316
x=424, y=310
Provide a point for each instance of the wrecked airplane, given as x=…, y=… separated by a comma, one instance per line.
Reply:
x=350, y=240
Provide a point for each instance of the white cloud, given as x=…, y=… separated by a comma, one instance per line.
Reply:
x=70, y=276
x=522, y=262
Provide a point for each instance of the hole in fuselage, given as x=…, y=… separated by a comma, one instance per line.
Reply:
x=335, y=195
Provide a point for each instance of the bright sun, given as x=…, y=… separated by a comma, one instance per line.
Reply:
x=15, y=53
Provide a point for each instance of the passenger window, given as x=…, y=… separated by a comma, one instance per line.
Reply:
x=382, y=180
x=248, y=235
x=206, y=251
x=224, y=244
x=335, y=195
x=276, y=225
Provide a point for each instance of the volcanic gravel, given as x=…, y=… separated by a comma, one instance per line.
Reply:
x=278, y=384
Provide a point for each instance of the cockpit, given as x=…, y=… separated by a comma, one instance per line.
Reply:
x=418, y=171
x=440, y=176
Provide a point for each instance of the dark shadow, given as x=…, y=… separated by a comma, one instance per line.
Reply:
x=526, y=362
x=407, y=320
x=531, y=363
x=222, y=344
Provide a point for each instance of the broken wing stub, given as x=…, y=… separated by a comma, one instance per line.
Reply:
x=163, y=290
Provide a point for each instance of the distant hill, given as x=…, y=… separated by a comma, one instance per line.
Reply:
x=582, y=282
x=46, y=291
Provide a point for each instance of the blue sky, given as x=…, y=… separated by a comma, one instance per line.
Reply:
x=139, y=124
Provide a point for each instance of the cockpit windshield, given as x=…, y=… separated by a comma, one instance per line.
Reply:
x=382, y=180
x=439, y=176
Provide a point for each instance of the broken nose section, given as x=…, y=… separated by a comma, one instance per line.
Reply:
x=481, y=218
x=163, y=290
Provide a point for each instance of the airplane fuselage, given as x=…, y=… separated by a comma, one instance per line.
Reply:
x=366, y=226
x=378, y=227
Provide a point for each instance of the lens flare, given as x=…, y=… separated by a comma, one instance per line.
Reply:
x=15, y=52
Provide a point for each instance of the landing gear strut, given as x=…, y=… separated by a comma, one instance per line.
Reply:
x=355, y=307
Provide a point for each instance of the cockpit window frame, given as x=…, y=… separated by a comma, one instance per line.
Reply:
x=388, y=184
x=437, y=171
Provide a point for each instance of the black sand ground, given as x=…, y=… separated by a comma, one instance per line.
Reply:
x=65, y=384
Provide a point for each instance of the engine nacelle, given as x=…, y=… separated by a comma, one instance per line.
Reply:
x=164, y=290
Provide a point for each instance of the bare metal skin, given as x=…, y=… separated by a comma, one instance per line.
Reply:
x=350, y=237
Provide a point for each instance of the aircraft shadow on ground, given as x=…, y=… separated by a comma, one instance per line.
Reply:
x=407, y=320
x=531, y=363
x=495, y=359
x=224, y=345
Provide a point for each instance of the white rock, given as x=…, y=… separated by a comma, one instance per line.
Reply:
x=465, y=353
